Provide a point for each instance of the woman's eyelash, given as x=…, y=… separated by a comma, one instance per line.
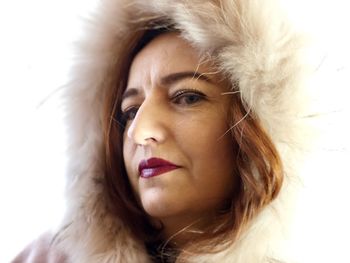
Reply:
x=181, y=97
x=129, y=113
x=188, y=96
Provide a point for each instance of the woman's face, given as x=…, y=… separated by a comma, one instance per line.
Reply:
x=179, y=160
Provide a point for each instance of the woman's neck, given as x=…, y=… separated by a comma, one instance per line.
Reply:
x=179, y=231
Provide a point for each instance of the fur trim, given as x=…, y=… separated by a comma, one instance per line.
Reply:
x=251, y=43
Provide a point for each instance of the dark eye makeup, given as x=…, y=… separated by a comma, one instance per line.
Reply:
x=182, y=97
x=187, y=97
x=129, y=113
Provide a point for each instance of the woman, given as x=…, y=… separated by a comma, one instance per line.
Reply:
x=185, y=135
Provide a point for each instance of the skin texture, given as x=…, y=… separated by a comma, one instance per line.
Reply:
x=168, y=121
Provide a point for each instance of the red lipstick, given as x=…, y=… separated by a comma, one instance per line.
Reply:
x=155, y=166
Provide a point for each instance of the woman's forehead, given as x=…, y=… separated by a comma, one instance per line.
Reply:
x=165, y=55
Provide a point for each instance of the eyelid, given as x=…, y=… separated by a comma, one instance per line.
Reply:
x=129, y=102
x=181, y=97
x=187, y=91
x=126, y=112
x=173, y=96
x=128, y=108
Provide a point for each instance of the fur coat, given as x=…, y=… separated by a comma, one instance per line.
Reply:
x=256, y=46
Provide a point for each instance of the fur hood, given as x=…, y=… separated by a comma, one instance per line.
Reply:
x=255, y=46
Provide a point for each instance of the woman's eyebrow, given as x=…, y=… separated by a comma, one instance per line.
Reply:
x=171, y=79
x=130, y=93
x=175, y=77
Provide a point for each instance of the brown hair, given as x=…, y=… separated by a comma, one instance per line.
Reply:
x=259, y=167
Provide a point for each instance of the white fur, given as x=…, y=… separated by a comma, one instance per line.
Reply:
x=254, y=45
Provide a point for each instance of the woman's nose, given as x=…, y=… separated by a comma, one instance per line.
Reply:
x=149, y=124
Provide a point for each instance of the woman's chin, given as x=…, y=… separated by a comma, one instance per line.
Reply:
x=158, y=203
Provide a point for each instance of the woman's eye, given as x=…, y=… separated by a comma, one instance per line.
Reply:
x=129, y=114
x=188, y=97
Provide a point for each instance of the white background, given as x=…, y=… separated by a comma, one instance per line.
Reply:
x=35, y=38
x=35, y=41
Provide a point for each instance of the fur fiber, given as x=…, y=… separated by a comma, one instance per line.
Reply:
x=253, y=44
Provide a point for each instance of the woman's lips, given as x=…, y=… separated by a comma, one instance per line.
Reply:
x=155, y=166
